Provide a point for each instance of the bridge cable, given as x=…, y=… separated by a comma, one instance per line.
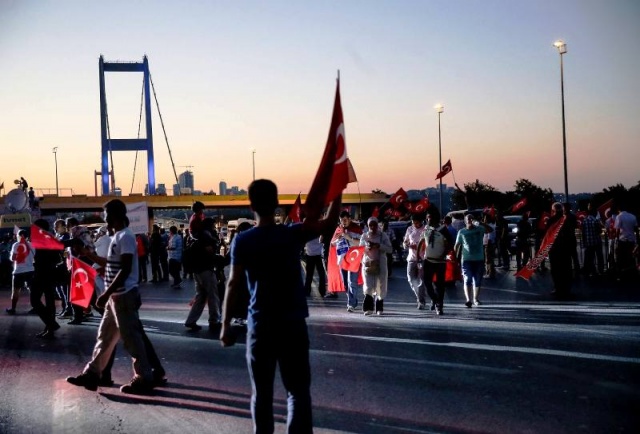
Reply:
x=173, y=166
x=135, y=161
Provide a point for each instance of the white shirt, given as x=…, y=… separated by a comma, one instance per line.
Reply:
x=123, y=242
x=413, y=236
x=25, y=265
x=627, y=223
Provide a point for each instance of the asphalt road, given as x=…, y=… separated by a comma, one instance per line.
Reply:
x=520, y=363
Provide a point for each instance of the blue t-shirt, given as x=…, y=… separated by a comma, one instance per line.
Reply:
x=270, y=256
x=471, y=241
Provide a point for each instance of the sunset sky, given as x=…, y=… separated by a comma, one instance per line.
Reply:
x=232, y=76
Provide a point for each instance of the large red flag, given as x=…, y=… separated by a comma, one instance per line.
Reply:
x=83, y=277
x=334, y=274
x=376, y=212
x=446, y=168
x=422, y=206
x=398, y=198
x=519, y=205
x=333, y=174
x=352, y=259
x=41, y=239
x=545, y=246
x=602, y=209
x=294, y=213
x=352, y=173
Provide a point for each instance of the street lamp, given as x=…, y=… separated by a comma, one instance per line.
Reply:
x=439, y=109
x=253, y=162
x=55, y=157
x=562, y=49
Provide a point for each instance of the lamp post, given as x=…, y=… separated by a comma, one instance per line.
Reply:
x=562, y=49
x=439, y=109
x=55, y=157
x=253, y=162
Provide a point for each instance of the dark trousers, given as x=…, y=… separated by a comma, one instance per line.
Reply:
x=164, y=264
x=561, y=271
x=142, y=268
x=315, y=263
x=593, y=255
x=287, y=345
x=44, y=286
x=175, y=267
x=156, y=271
x=436, y=292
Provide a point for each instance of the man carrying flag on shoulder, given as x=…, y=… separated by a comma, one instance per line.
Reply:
x=347, y=235
x=21, y=255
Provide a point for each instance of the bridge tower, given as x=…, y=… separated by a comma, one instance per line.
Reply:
x=110, y=144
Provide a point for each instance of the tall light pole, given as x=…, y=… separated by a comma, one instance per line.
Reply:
x=439, y=109
x=253, y=162
x=562, y=49
x=55, y=157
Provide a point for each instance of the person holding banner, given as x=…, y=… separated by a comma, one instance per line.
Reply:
x=346, y=235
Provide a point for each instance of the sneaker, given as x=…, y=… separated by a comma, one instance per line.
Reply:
x=468, y=304
x=331, y=295
x=476, y=302
x=159, y=378
x=439, y=312
x=433, y=305
x=88, y=380
x=368, y=312
x=378, y=312
x=138, y=386
x=420, y=306
x=350, y=309
x=10, y=311
x=193, y=327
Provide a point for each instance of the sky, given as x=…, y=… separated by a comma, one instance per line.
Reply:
x=234, y=77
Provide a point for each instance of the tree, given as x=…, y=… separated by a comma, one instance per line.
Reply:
x=476, y=194
x=538, y=199
x=378, y=191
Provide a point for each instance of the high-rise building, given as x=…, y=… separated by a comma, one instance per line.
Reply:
x=223, y=188
x=185, y=180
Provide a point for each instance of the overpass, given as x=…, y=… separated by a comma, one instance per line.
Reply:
x=51, y=204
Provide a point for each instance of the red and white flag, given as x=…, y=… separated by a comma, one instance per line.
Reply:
x=519, y=205
x=545, y=246
x=22, y=251
x=602, y=209
x=446, y=168
x=421, y=206
x=83, y=278
x=491, y=212
x=294, y=212
x=376, y=212
x=398, y=198
x=544, y=219
x=41, y=239
x=352, y=259
x=352, y=173
x=333, y=174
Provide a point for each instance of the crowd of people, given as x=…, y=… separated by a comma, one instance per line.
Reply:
x=266, y=290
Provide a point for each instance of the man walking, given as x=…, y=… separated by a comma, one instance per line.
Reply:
x=469, y=246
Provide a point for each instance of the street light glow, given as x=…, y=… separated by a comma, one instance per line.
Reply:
x=561, y=46
x=439, y=108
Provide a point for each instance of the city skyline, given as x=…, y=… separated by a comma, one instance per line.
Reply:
x=250, y=86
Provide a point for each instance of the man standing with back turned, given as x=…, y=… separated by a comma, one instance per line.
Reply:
x=268, y=258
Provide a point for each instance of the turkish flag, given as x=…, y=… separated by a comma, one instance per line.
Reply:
x=545, y=246
x=398, y=198
x=41, y=239
x=83, y=277
x=445, y=169
x=352, y=259
x=333, y=174
x=409, y=206
x=491, y=212
x=294, y=213
x=602, y=209
x=22, y=251
x=542, y=223
x=376, y=212
x=519, y=205
x=352, y=173
x=422, y=206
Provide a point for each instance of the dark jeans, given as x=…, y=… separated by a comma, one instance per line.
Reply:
x=315, y=263
x=593, y=255
x=44, y=285
x=561, y=271
x=285, y=344
x=175, y=267
x=429, y=270
x=156, y=271
x=142, y=268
